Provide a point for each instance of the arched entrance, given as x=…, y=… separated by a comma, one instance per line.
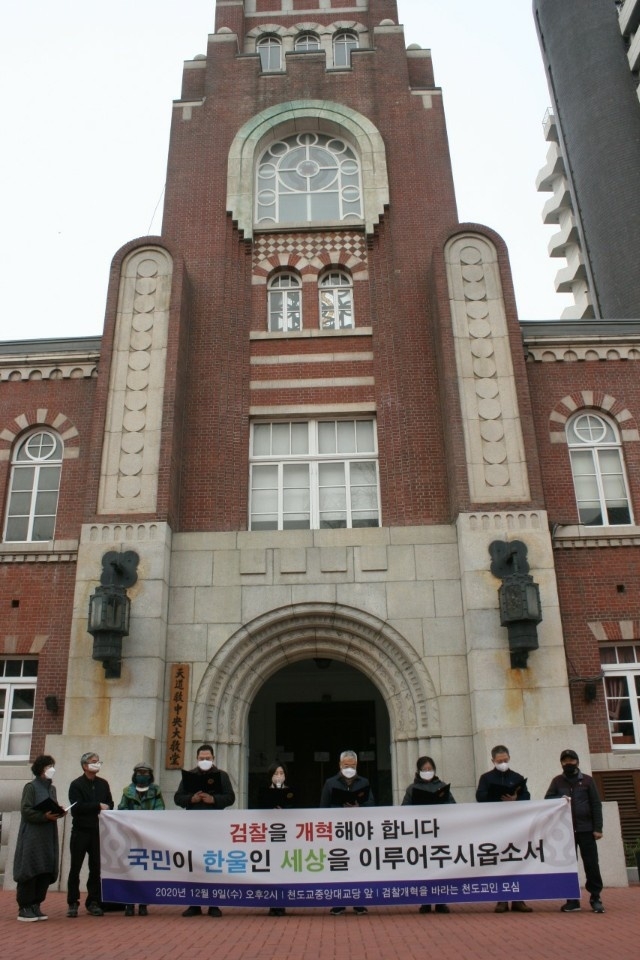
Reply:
x=305, y=715
x=315, y=631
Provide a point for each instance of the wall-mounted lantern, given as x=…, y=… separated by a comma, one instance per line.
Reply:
x=110, y=609
x=519, y=598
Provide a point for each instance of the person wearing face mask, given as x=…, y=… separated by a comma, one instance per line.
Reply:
x=141, y=794
x=89, y=796
x=347, y=789
x=277, y=794
x=427, y=787
x=36, y=860
x=580, y=791
x=502, y=784
x=204, y=788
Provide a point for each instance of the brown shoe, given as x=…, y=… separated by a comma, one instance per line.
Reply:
x=519, y=906
x=501, y=907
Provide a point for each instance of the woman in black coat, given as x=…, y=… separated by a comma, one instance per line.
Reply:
x=427, y=787
x=36, y=861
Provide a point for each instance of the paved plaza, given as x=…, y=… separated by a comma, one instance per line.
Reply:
x=386, y=933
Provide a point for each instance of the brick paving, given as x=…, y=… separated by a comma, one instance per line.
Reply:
x=467, y=933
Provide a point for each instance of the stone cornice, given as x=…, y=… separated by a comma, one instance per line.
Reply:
x=571, y=341
x=63, y=359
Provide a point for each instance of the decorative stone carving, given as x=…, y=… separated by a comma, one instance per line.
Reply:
x=491, y=423
x=131, y=450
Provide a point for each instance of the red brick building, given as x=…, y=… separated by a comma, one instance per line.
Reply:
x=311, y=415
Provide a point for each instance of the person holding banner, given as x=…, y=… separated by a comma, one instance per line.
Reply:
x=141, y=794
x=428, y=788
x=204, y=788
x=36, y=860
x=347, y=789
x=586, y=812
x=277, y=794
x=502, y=784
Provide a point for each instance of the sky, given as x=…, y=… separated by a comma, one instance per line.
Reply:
x=87, y=98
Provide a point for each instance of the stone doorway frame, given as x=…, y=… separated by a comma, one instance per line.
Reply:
x=300, y=632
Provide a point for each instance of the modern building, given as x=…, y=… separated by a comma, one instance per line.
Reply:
x=312, y=446
x=591, y=53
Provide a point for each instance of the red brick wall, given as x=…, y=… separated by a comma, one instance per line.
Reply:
x=394, y=301
x=588, y=578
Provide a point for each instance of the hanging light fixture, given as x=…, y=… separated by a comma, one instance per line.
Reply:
x=110, y=610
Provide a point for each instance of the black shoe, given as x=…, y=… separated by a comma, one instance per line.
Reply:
x=214, y=912
x=337, y=911
x=38, y=912
x=502, y=906
x=519, y=906
x=95, y=909
x=360, y=910
x=277, y=912
x=425, y=908
x=192, y=912
x=142, y=910
x=597, y=905
x=442, y=908
x=571, y=906
x=26, y=915
x=129, y=910
x=73, y=910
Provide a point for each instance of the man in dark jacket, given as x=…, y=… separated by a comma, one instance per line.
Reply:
x=90, y=795
x=502, y=784
x=586, y=812
x=347, y=789
x=204, y=788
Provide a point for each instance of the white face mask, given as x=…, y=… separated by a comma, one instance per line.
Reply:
x=427, y=774
x=277, y=780
x=50, y=773
x=205, y=764
x=502, y=767
x=348, y=772
x=141, y=789
x=94, y=767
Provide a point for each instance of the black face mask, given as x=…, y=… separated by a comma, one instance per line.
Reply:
x=570, y=770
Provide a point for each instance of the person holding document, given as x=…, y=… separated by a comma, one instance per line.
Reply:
x=427, y=788
x=499, y=785
x=36, y=860
x=347, y=789
x=204, y=788
x=89, y=795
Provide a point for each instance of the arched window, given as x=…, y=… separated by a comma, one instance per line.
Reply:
x=35, y=483
x=598, y=471
x=343, y=44
x=336, y=301
x=311, y=177
x=306, y=41
x=270, y=50
x=285, y=302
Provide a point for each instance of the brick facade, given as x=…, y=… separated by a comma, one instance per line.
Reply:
x=467, y=420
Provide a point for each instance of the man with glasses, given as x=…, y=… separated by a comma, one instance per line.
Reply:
x=90, y=795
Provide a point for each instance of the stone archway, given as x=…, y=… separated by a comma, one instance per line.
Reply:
x=303, y=631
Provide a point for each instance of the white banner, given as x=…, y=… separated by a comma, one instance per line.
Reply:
x=340, y=857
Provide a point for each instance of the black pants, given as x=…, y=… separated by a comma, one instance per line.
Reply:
x=84, y=843
x=33, y=890
x=588, y=847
